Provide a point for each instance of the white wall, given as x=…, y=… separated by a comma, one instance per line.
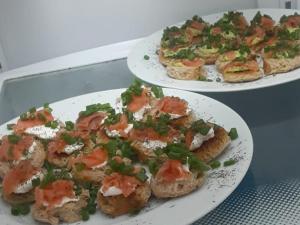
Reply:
x=35, y=30
x=2, y=60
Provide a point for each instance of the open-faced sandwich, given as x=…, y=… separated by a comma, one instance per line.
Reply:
x=281, y=57
x=125, y=190
x=58, y=201
x=180, y=174
x=238, y=65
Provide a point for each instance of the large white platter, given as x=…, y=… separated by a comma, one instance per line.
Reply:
x=153, y=72
x=219, y=183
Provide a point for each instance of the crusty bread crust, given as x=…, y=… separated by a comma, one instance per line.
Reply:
x=19, y=198
x=273, y=66
x=69, y=212
x=119, y=205
x=242, y=76
x=178, y=188
x=213, y=147
x=185, y=72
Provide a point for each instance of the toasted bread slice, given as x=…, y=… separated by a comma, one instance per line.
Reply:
x=119, y=205
x=90, y=175
x=184, y=72
x=178, y=188
x=144, y=153
x=15, y=199
x=213, y=147
x=69, y=212
x=274, y=66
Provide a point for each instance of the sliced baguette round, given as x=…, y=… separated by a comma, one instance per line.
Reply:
x=274, y=66
x=119, y=204
x=69, y=212
x=178, y=188
x=185, y=72
x=213, y=147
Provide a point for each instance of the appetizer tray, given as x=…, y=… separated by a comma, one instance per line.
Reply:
x=143, y=61
x=219, y=182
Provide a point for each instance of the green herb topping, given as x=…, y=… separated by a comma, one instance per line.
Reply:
x=233, y=134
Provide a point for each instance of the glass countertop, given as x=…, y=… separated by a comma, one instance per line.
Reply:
x=269, y=193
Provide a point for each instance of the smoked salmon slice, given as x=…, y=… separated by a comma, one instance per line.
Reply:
x=92, y=159
x=149, y=133
x=9, y=151
x=173, y=105
x=41, y=117
x=120, y=126
x=54, y=193
x=127, y=184
x=171, y=171
x=18, y=175
x=91, y=122
x=139, y=102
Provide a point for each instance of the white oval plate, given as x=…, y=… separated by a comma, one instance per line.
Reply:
x=153, y=72
x=219, y=183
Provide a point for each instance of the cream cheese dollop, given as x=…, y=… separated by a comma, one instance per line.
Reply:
x=42, y=131
x=154, y=144
x=111, y=191
x=199, y=139
x=27, y=185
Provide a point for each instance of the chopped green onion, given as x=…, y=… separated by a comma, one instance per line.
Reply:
x=32, y=110
x=215, y=164
x=79, y=167
x=157, y=91
x=36, y=182
x=69, y=125
x=233, y=134
x=10, y=126
x=153, y=166
x=84, y=214
x=141, y=175
x=52, y=124
x=21, y=209
x=229, y=162
x=69, y=139
x=13, y=138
